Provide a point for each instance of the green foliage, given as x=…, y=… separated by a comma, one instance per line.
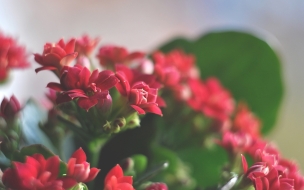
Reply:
x=140, y=163
x=205, y=164
x=245, y=64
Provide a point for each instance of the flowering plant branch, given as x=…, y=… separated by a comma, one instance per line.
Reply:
x=178, y=118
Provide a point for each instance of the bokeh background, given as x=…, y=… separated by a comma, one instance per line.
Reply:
x=143, y=25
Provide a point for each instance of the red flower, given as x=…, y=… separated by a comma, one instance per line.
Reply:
x=110, y=55
x=9, y=108
x=78, y=82
x=115, y=180
x=140, y=89
x=56, y=56
x=36, y=173
x=235, y=142
x=79, y=169
x=85, y=45
x=210, y=98
x=265, y=176
x=246, y=121
x=183, y=63
x=11, y=56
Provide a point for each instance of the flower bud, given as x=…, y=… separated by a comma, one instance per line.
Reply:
x=9, y=108
x=157, y=186
x=120, y=122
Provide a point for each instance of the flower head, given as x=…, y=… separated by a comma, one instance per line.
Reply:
x=78, y=82
x=115, y=180
x=85, y=45
x=79, y=169
x=110, y=55
x=56, y=56
x=36, y=173
x=11, y=56
x=210, y=98
x=140, y=89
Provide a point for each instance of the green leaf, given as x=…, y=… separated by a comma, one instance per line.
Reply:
x=161, y=154
x=206, y=164
x=245, y=64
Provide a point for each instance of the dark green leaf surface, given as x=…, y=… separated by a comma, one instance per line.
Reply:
x=245, y=64
x=206, y=164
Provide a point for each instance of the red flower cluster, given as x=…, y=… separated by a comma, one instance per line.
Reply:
x=78, y=82
x=272, y=173
x=115, y=180
x=210, y=98
x=56, y=56
x=11, y=56
x=42, y=174
x=140, y=89
x=85, y=45
x=110, y=55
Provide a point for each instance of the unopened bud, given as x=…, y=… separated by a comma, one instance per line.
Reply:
x=121, y=122
x=9, y=108
x=133, y=120
x=127, y=164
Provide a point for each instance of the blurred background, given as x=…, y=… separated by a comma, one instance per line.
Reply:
x=143, y=25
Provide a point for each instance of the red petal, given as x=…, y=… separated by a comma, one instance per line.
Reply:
x=52, y=165
x=152, y=108
x=51, y=68
x=161, y=102
x=66, y=60
x=84, y=77
x=70, y=47
x=80, y=156
x=138, y=109
x=125, y=179
x=244, y=163
x=123, y=86
x=92, y=175
x=106, y=80
x=87, y=103
x=115, y=171
x=71, y=166
x=55, y=86
x=94, y=76
x=68, y=182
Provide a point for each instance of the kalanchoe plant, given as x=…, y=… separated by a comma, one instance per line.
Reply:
x=178, y=118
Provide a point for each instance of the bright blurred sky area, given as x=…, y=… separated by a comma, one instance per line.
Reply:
x=143, y=25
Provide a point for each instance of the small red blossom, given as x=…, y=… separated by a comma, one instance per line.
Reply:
x=36, y=173
x=183, y=64
x=246, y=121
x=78, y=82
x=110, y=55
x=210, y=98
x=235, y=142
x=264, y=175
x=115, y=180
x=79, y=169
x=140, y=89
x=85, y=45
x=9, y=108
x=11, y=56
x=56, y=56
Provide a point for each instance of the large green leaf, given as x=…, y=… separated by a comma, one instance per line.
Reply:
x=245, y=64
x=206, y=164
